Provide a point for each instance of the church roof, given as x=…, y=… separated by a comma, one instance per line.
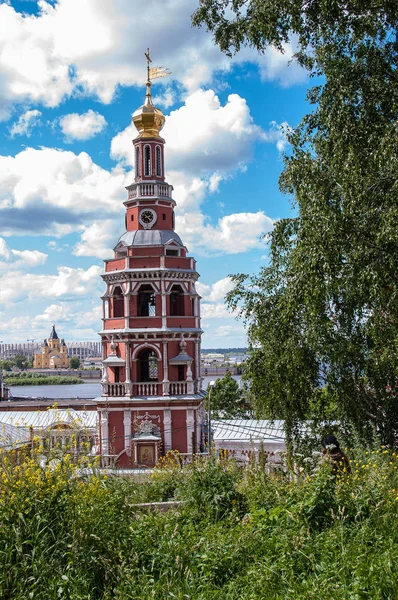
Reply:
x=53, y=334
x=149, y=237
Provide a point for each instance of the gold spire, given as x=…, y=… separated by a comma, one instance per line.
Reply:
x=148, y=119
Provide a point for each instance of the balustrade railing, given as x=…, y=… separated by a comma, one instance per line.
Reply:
x=149, y=189
x=163, y=190
x=146, y=389
x=113, y=389
x=178, y=387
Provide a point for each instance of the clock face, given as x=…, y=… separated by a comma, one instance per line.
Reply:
x=147, y=218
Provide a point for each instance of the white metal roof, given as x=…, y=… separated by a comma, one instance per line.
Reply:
x=150, y=237
x=245, y=430
x=13, y=436
x=44, y=419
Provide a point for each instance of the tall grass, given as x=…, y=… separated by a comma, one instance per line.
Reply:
x=240, y=534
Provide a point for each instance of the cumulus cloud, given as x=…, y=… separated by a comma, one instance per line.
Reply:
x=67, y=283
x=54, y=192
x=39, y=63
x=84, y=126
x=25, y=123
x=202, y=136
x=238, y=232
x=206, y=144
x=19, y=258
x=215, y=311
x=73, y=321
x=277, y=134
x=216, y=291
x=99, y=238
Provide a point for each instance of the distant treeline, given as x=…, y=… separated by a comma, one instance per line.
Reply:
x=39, y=379
x=224, y=350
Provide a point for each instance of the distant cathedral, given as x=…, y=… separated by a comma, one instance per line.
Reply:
x=54, y=353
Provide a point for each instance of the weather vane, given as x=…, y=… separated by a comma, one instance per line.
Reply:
x=155, y=72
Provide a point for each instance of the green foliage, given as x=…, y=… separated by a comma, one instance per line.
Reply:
x=324, y=313
x=74, y=362
x=39, y=379
x=317, y=535
x=20, y=361
x=227, y=400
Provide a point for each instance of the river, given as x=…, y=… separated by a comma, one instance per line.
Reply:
x=83, y=390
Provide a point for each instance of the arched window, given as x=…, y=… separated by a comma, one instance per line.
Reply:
x=147, y=366
x=146, y=301
x=137, y=162
x=176, y=301
x=118, y=302
x=147, y=161
x=158, y=162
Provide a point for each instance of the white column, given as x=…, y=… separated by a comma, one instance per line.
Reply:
x=127, y=431
x=166, y=386
x=190, y=423
x=199, y=421
x=104, y=432
x=163, y=293
x=197, y=366
x=167, y=429
x=127, y=311
x=127, y=350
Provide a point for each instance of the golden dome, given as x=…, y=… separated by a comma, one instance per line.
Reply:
x=148, y=119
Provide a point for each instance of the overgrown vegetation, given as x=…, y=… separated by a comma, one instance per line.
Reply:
x=241, y=534
x=38, y=379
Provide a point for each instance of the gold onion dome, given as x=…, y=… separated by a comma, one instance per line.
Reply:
x=148, y=119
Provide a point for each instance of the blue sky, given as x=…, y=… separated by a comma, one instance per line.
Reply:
x=71, y=74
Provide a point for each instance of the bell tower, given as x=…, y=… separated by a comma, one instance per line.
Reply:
x=151, y=398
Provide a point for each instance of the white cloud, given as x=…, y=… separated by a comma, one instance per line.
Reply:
x=215, y=311
x=69, y=282
x=217, y=290
x=165, y=99
x=202, y=136
x=84, y=126
x=73, y=322
x=88, y=47
x=277, y=134
x=19, y=258
x=231, y=331
x=25, y=123
x=238, y=232
x=99, y=238
x=281, y=67
x=54, y=192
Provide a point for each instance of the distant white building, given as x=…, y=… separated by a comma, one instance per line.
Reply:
x=53, y=427
x=241, y=437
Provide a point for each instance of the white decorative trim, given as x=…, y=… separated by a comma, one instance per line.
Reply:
x=105, y=432
x=127, y=431
x=145, y=346
x=167, y=429
x=190, y=428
